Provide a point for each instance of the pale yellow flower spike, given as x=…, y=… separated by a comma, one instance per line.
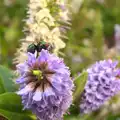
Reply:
x=47, y=20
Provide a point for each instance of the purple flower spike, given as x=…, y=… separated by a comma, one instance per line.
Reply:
x=103, y=83
x=45, y=86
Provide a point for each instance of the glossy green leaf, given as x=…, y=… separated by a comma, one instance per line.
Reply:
x=113, y=117
x=72, y=118
x=11, y=108
x=80, y=82
x=2, y=89
x=6, y=77
x=78, y=117
x=10, y=102
x=14, y=116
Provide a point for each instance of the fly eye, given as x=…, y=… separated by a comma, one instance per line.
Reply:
x=42, y=45
x=31, y=48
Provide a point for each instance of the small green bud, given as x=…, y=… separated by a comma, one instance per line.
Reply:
x=37, y=72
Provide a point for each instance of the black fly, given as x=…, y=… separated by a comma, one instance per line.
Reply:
x=41, y=45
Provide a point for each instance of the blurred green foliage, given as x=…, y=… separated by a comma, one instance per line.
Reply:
x=12, y=12
x=92, y=32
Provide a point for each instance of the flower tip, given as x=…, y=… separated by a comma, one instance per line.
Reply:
x=44, y=51
x=37, y=96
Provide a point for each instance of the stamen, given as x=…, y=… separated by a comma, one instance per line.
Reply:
x=38, y=73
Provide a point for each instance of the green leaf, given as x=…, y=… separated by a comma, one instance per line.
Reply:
x=2, y=89
x=80, y=82
x=113, y=117
x=72, y=118
x=11, y=108
x=78, y=117
x=6, y=77
x=14, y=116
x=10, y=102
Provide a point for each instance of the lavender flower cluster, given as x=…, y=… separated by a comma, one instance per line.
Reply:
x=103, y=83
x=45, y=85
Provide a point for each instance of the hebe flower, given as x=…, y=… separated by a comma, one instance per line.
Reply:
x=103, y=83
x=45, y=85
x=46, y=20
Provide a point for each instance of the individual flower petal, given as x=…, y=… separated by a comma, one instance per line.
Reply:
x=43, y=57
x=25, y=90
x=37, y=96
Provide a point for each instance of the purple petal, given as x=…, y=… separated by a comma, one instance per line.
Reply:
x=43, y=56
x=49, y=92
x=22, y=68
x=25, y=90
x=37, y=96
